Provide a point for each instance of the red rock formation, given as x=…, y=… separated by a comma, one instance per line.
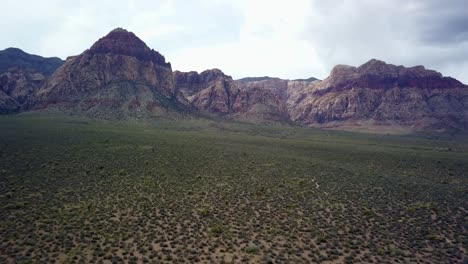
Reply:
x=215, y=93
x=376, y=74
x=122, y=42
x=382, y=94
x=19, y=85
x=118, y=76
x=8, y=105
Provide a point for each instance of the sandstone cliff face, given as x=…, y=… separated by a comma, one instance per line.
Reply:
x=210, y=91
x=7, y=104
x=259, y=105
x=118, y=76
x=21, y=75
x=382, y=94
x=20, y=84
x=17, y=86
x=269, y=96
x=215, y=93
x=276, y=86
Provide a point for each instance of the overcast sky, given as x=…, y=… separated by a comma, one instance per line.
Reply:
x=287, y=39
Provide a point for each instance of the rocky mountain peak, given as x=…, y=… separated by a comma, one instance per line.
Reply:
x=378, y=67
x=341, y=70
x=211, y=75
x=376, y=74
x=122, y=42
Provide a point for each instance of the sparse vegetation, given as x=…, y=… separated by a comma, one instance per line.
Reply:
x=194, y=191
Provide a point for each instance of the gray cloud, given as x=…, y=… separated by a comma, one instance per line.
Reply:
x=429, y=32
x=441, y=22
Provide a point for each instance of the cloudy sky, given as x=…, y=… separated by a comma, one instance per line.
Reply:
x=287, y=39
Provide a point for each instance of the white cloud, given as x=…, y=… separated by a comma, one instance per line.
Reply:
x=288, y=39
x=269, y=43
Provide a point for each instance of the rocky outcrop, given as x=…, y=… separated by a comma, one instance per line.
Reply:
x=21, y=75
x=118, y=76
x=18, y=86
x=259, y=105
x=7, y=104
x=276, y=86
x=210, y=91
x=267, y=97
x=382, y=94
x=215, y=93
x=376, y=74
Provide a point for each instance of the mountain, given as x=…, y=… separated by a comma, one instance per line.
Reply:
x=118, y=76
x=21, y=75
x=17, y=86
x=213, y=92
x=7, y=104
x=380, y=94
x=16, y=58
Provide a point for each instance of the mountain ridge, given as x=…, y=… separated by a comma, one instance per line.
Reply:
x=17, y=58
x=120, y=76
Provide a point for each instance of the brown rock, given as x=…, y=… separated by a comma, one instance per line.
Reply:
x=8, y=105
x=118, y=76
x=215, y=93
x=20, y=85
x=209, y=92
x=382, y=94
x=256, y=104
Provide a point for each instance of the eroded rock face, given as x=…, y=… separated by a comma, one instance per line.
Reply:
x=276, y=86
x=211, y=91
x=215, y=93
x=122, y=42
x=7, y=104
x=21, y=75
x=383, y=94
x=268, y=97
x=376, y=74
x=118, y=76
x=19, y=85
x=257, y=104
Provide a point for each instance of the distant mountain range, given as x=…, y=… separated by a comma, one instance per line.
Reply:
x=16, y=58
x=119, y=76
